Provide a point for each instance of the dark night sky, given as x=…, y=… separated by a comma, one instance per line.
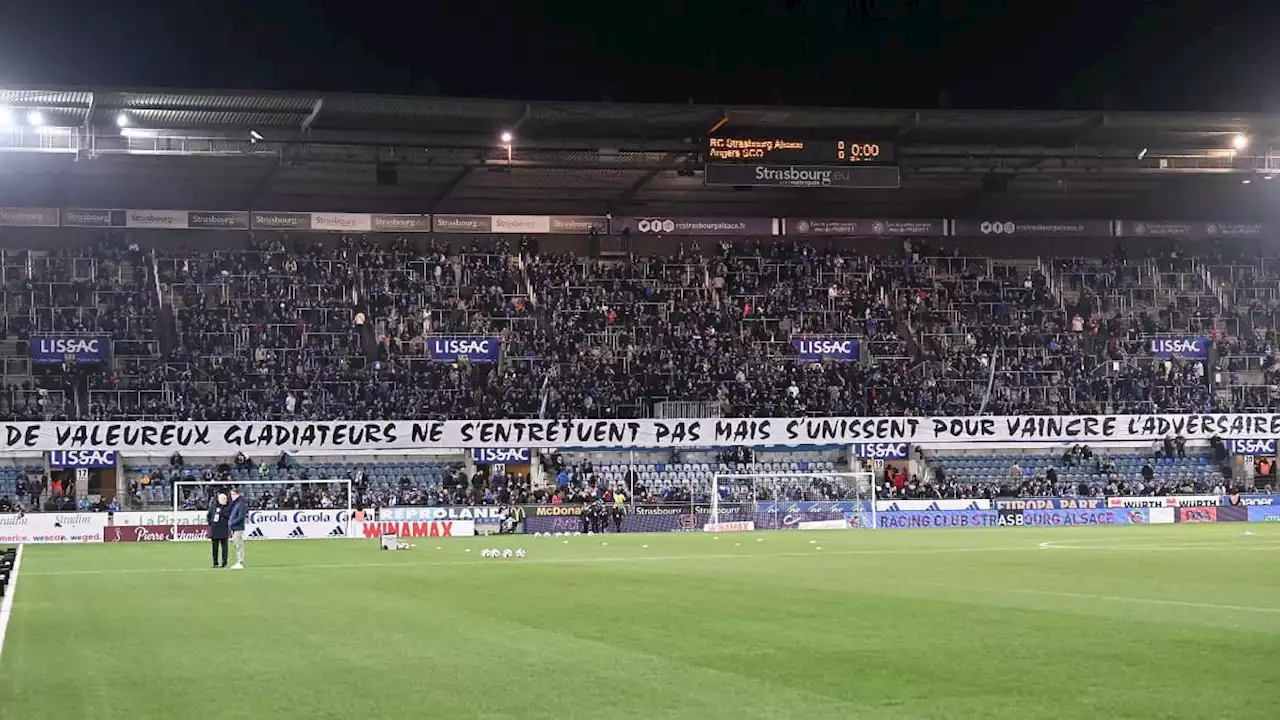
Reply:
x=1116, y=54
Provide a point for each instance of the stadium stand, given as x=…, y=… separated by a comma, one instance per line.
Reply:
x=228, y=322
x=323, y=328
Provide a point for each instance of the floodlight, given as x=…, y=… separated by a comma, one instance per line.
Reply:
x=6, y=117
x=1246, y=182
x=507, y=137
x=122, y=120
x=255, y=136
x=36, y=118
x=1240, y=142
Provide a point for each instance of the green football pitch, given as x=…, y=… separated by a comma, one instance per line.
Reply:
x=1135, y=622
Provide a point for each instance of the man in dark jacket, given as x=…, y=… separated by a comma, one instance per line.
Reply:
x=218, y=530
x=235, y=522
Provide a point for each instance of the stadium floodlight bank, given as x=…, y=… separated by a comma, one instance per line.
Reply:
x=798, y=501
x=299, y=512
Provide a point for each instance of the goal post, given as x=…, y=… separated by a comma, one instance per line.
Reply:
x=278, y=509
x=779, y=501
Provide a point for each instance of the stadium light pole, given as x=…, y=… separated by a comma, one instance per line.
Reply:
x=507, y=139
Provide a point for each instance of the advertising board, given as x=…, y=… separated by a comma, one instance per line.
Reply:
x=479, y=514
x=59, y=459
x=728, y=527
x=1251, y=446
x=158, y=517
x=882, y=451
x=475, y=349
x=155, y=533
x=1017, y=517
x=1051, y=503
x=296, y=524
x=415, y=529
x=835, y=349
x=1174, y=501
x=1187, y=348
x=888, y=506
x=52, y=528
x=72, y=349
x=501, y=456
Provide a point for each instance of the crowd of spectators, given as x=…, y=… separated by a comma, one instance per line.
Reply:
x=312, y=329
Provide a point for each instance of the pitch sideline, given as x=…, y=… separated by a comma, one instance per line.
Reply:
x=6, y=607
x=475, y=560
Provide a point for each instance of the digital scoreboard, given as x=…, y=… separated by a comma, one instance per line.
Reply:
x=791, y=150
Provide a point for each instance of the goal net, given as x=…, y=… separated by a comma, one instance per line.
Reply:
x=793, y=501
x=278, y=509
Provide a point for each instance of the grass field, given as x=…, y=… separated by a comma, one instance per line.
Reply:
x=1135, y=622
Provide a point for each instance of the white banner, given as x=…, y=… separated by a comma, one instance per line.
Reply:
x=259, y=525
x=728, y=527
x=478, y=514
x=228, y=438
x=52, y=528
x=297, y=524
x=342, y=222
x=932, y=505
x=824, y=525
x=306, y=530
x=415, y=529
x=164, y=517
x=1170, y=501
x=521, y=223
x=156, y=218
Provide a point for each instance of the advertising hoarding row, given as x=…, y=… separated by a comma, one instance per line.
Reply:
x=801, y=176
x=451, y=522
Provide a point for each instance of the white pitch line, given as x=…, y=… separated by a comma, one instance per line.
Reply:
x=6, y=607
x=1162, y=547
x=1122, y=598
x=537, y=561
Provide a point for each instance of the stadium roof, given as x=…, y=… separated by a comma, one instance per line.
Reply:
x=201, y=149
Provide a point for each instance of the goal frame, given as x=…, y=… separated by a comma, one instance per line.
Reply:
x=867, y=475
x=242, y=484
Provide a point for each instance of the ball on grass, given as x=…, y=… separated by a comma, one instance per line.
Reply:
x=468, y=549
x=508, y=552
x=520, y=552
